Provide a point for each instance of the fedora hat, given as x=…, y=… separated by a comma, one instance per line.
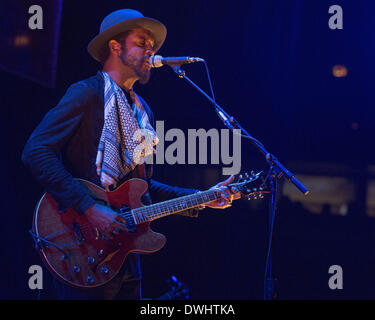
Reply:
x=124, y=20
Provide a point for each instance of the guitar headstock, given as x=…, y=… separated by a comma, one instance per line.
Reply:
x=249, y=186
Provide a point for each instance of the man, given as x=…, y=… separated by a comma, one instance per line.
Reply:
x=90, y=135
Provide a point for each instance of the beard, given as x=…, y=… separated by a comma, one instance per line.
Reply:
x=137, y=65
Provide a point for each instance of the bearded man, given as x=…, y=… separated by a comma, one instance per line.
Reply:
x=90, y=135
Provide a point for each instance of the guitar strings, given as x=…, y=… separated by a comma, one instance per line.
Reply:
x=173, y=206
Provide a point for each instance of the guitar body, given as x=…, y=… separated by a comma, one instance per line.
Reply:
x=75, y=252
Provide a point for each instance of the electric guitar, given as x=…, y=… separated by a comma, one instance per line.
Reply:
x=79, y=255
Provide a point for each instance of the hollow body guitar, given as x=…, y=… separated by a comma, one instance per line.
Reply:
x=79, y=255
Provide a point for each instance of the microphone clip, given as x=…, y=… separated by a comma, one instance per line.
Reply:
x=177, y=69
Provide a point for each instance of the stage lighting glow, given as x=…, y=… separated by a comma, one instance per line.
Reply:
x=355, y=125
x=21, y=41
x=339, y=71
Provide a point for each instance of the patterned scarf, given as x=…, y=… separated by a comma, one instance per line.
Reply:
x=127, y=135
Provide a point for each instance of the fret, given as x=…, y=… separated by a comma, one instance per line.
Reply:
x=162, y=209
x=135, y=217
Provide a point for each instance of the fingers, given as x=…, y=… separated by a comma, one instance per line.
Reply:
x=114, y=228
x=222, y=203
x=107, y=181
x=118, y=223
x=112, y=231
x=115, y=232
x=224, y=194
x=226, y=182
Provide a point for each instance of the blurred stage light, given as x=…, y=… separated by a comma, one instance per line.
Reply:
x=339, y=71
x=31, y=54
x=355, y=125
x=21, y=41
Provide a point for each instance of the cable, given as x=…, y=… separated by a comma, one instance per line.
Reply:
x=35, y=236
x=209, y=80
x=213, y=98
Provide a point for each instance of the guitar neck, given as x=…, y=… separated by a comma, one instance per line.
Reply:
x=166, y=208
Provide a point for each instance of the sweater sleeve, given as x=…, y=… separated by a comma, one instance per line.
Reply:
x=41, y=154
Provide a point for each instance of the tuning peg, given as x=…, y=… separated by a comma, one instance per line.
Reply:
x=246, y=175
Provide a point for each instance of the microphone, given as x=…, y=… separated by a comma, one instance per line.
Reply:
x=159, y=61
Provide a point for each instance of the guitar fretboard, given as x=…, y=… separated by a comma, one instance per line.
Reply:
x=165, y=208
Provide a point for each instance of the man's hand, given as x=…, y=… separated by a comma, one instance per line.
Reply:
x=226, y=198
x=105, y=220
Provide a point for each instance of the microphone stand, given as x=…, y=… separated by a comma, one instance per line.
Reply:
x=277, y=171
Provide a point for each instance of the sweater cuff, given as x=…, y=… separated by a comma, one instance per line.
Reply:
x=83, y=204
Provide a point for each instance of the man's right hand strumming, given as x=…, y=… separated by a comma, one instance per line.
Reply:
x=105, y=220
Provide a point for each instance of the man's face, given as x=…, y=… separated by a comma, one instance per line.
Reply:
x=137, y=48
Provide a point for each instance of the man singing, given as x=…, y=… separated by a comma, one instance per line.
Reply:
x=89, y=135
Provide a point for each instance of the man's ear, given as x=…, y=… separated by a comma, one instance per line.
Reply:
x=114, y=47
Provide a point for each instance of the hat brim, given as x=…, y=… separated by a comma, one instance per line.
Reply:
x=155, y=27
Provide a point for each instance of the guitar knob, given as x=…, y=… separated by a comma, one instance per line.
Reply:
x=91, y=259
x=76, y=268
x=104, y=270
x=90, y=280
x=100, y=252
